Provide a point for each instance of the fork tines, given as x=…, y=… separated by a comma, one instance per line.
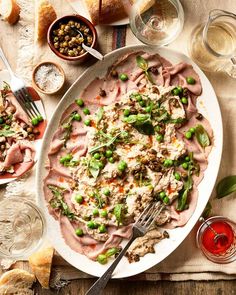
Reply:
x=149, y=214
x=27, y=103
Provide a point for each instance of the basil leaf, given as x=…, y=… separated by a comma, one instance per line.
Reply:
x=100, y=114
x=142, y=63
x=183, y=197
x=119, y=212
x=202, y=136
x=138, y=119
x=107, y=144
x=226, y=186
x=94, y=167
x=6, y=133
x=146, y=129
x=57, y=202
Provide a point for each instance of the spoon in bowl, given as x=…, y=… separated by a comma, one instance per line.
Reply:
x=90, y=50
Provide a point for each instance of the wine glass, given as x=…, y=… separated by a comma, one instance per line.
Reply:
x=156, y=22
x=22, y=228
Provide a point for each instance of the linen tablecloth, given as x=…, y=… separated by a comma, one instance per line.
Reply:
x=186, y=262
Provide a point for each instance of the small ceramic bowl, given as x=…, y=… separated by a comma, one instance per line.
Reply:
x=64, y=20
x=48, y=64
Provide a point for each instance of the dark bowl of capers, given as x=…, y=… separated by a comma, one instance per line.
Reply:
x=67, y=35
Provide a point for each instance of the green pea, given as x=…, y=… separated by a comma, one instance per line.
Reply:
x=148, y=109
x=162, y=195
x=176, y=91
x=126, y=112
x=104, y=213
x=87, y=122
x=185, y=165
x=123, y=77
x=190, y=80
x=108, y=153
x=142, y=103
x=111, y=160
x=92, y=224
x=184, y=100
x=35, y=121
x=166, y=200
x=187, y=159
x=79, y=199
x=188, y=135
x=40, y=118
x=66, y=158
x=177, y=176
x=122, y=166
x=159, y=137
x=100, y=164
x=1, y=120
x=102, y=259
x=97, y=156
x=77, y=117
x=102, y=228
x=106, y=192
x=79, y=232
x=192, y=130
x=86, y=111
x=157, y=128
x=168, y=163
x=180, y=89
x=111, y=252
x=95, y=212
x=138, y=97
x=79, y=102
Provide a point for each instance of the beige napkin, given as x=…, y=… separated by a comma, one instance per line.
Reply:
x=187, y=262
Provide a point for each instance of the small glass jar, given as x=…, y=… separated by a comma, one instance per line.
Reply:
x=22, y=228
x=220, y=249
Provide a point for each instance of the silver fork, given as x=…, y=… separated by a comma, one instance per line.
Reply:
x=21, y=92
x=140, y=228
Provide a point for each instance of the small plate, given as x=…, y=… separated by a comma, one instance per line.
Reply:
x=5, y=77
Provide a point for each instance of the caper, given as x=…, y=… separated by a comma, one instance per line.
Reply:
x=56, y=45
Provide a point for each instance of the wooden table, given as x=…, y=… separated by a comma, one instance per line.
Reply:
x=121, y=287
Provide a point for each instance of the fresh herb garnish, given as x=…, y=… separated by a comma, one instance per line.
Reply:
x=6, y=133
x=226, y=186
x=57, y=202
x=141, y=122
x=94, y=167
x=202, y=136
x=119, y=212
x=106, y=144
x=100, y=114
x=183, y=197
x=143, y=64
x=99, y=200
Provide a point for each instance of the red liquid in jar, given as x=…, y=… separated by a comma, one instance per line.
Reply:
x=221, y=245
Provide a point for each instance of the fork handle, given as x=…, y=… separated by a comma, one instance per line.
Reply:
x=101, y=283
x=4, y=59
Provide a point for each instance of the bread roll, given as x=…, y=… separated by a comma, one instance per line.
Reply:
x=112, y=10
x=44, y=16
x=41, y=263
x=10, y=11
x=16, y=281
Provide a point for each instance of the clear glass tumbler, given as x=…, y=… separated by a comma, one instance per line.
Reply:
x=156, y=22
x=22, y=228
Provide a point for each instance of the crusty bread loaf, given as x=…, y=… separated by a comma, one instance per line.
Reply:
x=44, y=16
x=10, y=11
x=16, y=281
x=112, y=10
x=41, y=263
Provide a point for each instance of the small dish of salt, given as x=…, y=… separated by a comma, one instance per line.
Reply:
x=48, y=77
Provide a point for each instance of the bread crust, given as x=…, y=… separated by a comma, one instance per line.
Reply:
x=112, y=10
x=45, y=15
x=41, y=263
x=14, y=12
x=18, y=278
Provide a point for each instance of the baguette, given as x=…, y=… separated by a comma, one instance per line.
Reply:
x=10, y=11
x=16, y=281
x=41, y=263
x=44, y=16
x=112, y=10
